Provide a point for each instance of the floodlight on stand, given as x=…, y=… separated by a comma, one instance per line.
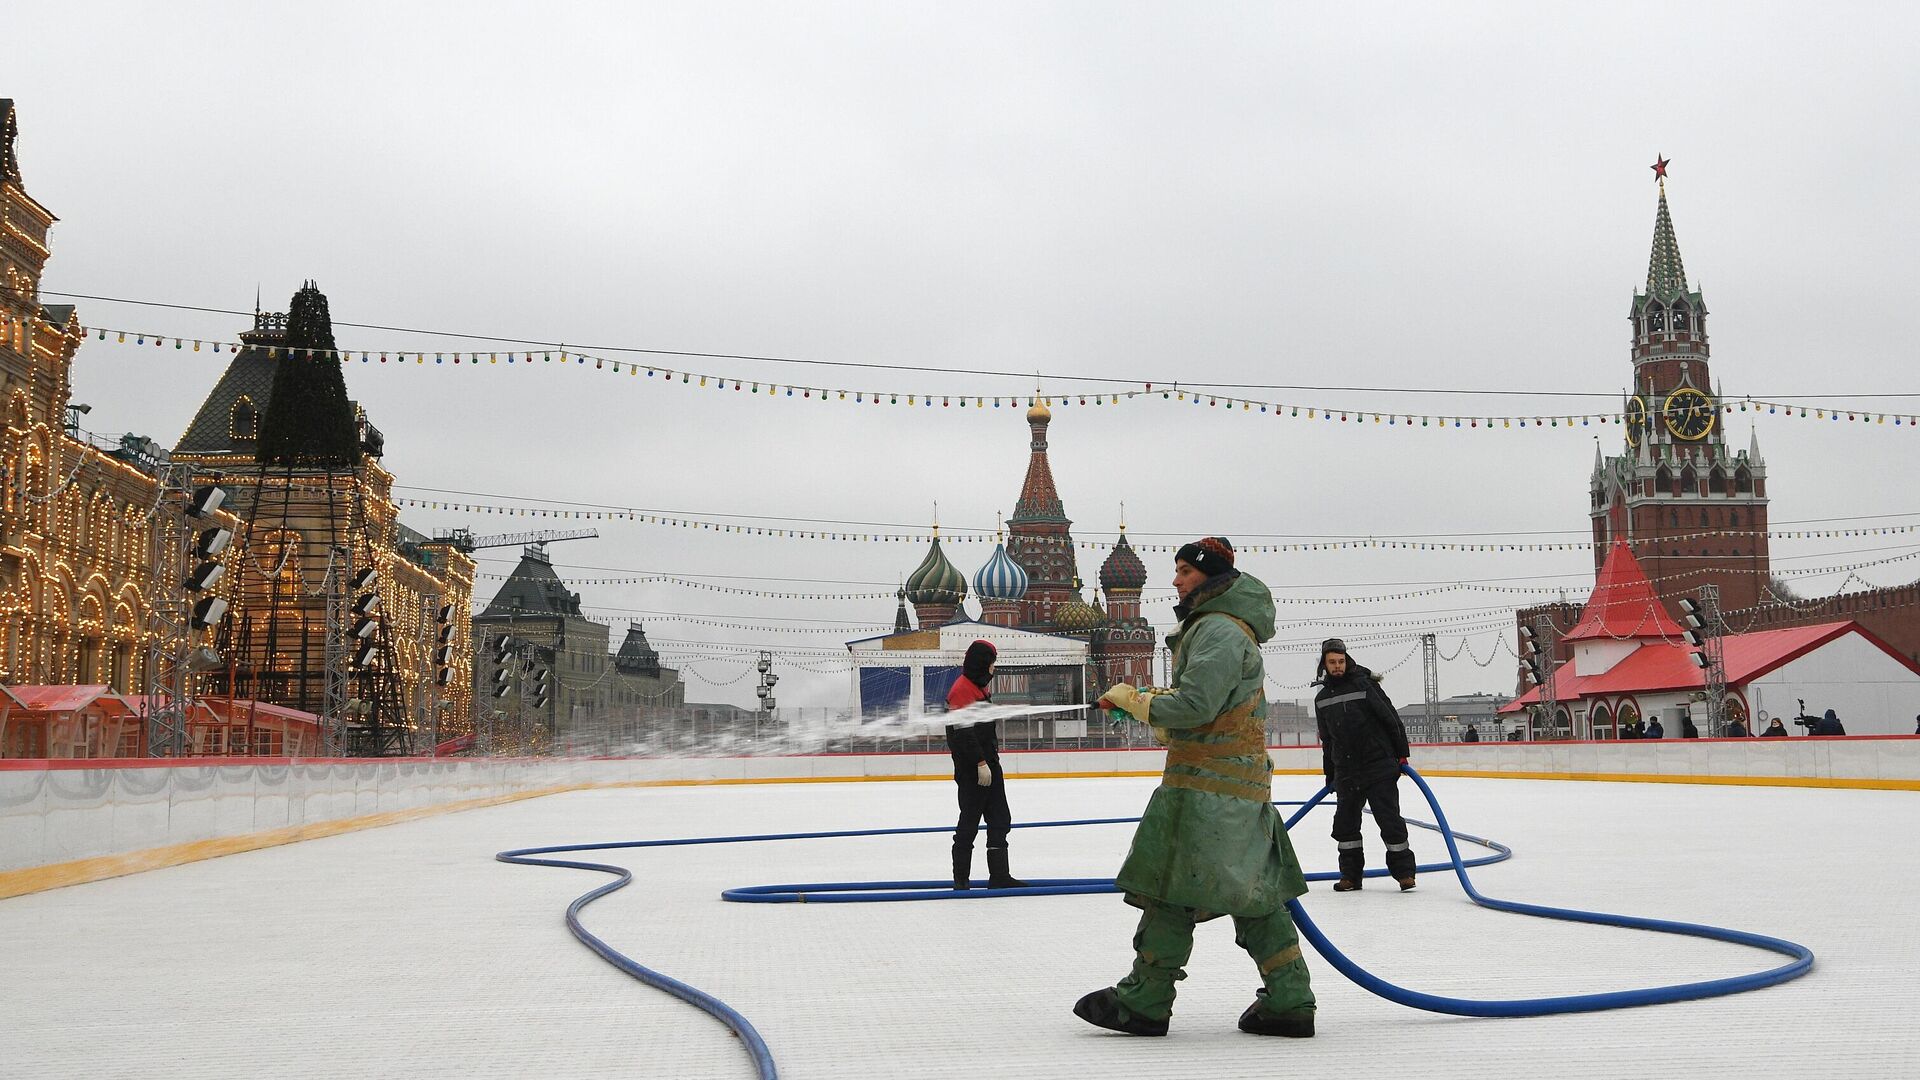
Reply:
x=207, y=611
x=364, y=627
x=212, y=542
x=1691, y=612
x=204, y=659
x=205, y=500
x=366, y=603
x=204, y=576
x=362, y=579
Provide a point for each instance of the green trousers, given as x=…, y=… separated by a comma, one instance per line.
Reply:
x=1164, y=941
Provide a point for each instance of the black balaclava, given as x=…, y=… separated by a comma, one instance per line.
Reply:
x=980, y=657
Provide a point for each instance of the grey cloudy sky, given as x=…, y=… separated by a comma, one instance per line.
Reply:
x=1398, y=194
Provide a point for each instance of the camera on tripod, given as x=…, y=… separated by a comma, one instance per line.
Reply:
x=1803, y=720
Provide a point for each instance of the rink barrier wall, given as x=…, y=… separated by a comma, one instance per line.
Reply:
x=63, y=822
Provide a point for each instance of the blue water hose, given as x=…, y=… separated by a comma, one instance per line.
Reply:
x=883, y=891
x=1801, y=963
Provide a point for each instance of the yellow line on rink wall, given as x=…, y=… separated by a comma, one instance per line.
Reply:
x=80, y=871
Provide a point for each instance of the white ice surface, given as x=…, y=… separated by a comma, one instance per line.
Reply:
x=408, y=951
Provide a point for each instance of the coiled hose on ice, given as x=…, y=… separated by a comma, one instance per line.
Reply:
x=867, y=892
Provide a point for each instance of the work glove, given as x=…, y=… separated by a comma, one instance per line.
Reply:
x=983, y=775
x=1128, y=700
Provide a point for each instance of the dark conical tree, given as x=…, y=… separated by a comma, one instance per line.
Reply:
x=309, y=421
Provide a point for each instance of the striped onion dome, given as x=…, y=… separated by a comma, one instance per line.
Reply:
x=1001, y=578
x=936, y=581
x=1123, y=568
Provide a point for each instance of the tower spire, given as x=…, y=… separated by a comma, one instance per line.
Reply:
x=1666, y=274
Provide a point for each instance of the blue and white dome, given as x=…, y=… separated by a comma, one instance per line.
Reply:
x=1001, y=578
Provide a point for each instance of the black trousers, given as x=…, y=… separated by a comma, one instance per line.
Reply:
x=1383, y=795
x=977, y=802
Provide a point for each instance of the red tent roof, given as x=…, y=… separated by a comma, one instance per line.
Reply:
x=241, y=707
x=67, y=698
x=1623, y=605
x=1659, y=666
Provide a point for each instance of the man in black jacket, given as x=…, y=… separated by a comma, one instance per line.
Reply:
x=1362, y=746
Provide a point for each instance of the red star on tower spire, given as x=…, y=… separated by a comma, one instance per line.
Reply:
x=1659, y=167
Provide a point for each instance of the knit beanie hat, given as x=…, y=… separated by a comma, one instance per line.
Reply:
x=1212, y=555
x=1331, y=645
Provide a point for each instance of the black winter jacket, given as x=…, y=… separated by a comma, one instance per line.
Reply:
x=1361, y=737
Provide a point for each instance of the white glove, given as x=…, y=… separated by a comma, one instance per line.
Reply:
x=983, y=775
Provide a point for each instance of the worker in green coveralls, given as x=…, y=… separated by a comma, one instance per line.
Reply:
x=1210, y=843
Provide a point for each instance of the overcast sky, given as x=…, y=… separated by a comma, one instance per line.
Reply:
x=1437, y=196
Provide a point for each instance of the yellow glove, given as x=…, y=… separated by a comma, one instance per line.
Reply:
x=1128, y=700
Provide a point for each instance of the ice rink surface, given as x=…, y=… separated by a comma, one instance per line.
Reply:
x=408, y=951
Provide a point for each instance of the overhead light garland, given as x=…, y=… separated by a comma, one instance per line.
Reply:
x=982, y=537
x=1317, y=412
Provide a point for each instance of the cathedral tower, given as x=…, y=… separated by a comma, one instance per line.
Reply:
x=1039, y=536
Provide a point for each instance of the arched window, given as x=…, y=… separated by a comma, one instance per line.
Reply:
x=244, y=422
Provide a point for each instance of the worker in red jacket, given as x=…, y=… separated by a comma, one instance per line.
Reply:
x=976, y=772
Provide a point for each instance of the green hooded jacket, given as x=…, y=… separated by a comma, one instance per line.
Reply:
x=1210, y=838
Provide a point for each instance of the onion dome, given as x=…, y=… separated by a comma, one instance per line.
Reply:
x=1001, y=578
x=1123, y=568
x=1076, y=616
x=936, y=581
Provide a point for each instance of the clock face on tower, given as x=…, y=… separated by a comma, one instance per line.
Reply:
x=1689, y=414
x=1636, y=419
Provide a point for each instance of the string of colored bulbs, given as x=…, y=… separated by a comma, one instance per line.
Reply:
x=576, y=360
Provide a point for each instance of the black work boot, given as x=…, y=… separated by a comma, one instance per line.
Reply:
x=1401, y=865
x=1102, y=1008
x=1294, y=1024
x=998, y=877
x=1353, y=865
x=962, y=868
